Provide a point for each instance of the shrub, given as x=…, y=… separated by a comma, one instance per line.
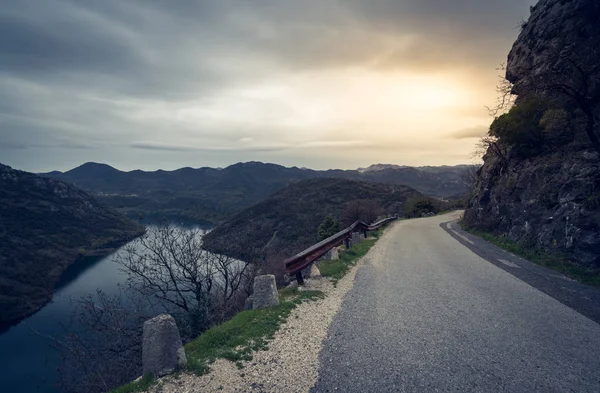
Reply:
x=521, y=126
x=417, y=206
x=329, y=227
x=365, y=210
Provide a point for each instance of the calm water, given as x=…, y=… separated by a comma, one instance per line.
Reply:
x=27, y=362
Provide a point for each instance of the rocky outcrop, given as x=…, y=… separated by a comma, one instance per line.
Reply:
x=549, y=199
x=45, y=225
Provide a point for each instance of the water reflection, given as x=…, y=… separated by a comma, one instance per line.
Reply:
x=28, y=363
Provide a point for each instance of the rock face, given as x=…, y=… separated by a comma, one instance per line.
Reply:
x=162, y=351
x=265, y=292
x=550, y=200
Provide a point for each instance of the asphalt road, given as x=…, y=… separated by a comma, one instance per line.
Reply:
x=428, y=314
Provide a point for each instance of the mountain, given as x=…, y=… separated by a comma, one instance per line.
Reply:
x=379, y=167
x=287, y=221
x=540, y=182
x=45, y=225
x=212, y=195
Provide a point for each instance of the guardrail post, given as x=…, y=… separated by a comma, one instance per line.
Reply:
x=347, y=243
x=299, y=278
x=365, y=233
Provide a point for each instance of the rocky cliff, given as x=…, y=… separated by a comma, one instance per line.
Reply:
x=540, y=182
x=45, y=225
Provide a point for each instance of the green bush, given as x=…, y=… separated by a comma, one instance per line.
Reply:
x=329, y=227
x=417, y=206
x=521, y=126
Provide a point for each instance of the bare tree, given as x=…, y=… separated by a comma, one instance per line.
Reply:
x=505, y=98
x=468, y=176
x=168, y=271
x=168, y=265
x=365, y=210
x=491, y=144
x=101, y=345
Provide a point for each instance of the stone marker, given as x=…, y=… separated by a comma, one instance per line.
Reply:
x=356, y=237
x=162, y=350
x=314, y=271
x=265, y=292
x=335, y=254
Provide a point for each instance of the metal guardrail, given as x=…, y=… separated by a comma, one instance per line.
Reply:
x=303, y=259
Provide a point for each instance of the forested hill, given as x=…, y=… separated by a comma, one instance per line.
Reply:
x=45, y=225
x=287, y=222
x=215, y=194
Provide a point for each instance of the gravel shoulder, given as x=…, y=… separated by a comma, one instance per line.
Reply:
x=292, y=361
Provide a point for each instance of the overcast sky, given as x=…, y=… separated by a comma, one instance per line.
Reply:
x=324, y=84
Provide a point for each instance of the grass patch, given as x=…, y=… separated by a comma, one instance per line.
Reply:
x=348, y=258
x=136, y=386
x=248, y=331
x=556, y=262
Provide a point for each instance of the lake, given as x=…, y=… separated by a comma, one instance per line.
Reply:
x=29, y=364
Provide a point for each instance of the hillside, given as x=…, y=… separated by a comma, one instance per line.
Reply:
x=540, y=182
x=45, y=225
x=287, y=222
x=212, y=195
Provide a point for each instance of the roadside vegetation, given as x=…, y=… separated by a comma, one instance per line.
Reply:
x=329, y=227
x=556, y=262
x=423, y=206
x=136, y=386
x=248, y=331
x=235, y=339
x=348, y=258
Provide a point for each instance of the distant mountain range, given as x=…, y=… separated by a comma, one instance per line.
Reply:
x=212, y=195
x=45, y=225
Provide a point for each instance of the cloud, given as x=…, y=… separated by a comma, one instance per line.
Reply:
x=255, y=79
x=182, y=148
x=350, y=144
x=469, y=133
